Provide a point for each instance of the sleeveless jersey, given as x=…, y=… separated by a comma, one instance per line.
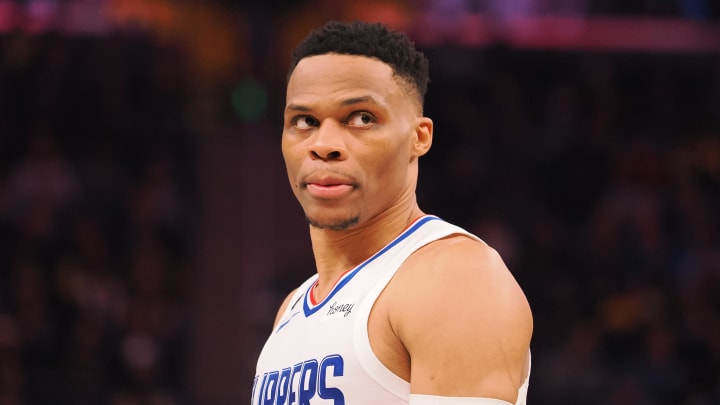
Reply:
x=320, y=353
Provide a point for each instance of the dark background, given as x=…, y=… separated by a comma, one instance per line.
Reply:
x=147, y=233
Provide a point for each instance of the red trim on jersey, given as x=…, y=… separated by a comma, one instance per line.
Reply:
x=312, y=293
x=313, y=301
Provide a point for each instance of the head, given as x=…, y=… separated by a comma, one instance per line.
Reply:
x=372, y=40
x=353, y=123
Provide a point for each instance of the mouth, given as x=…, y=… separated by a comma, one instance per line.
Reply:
x=329, y=191
x=328, y=188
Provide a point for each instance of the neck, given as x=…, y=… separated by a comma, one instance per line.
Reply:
x=338, y=251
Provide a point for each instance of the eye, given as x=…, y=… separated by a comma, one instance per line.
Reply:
x=304, y=122
x=361, y=119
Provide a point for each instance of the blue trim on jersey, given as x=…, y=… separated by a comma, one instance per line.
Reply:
x=286, y=322
x=306, y=307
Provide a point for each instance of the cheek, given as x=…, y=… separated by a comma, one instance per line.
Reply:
x=391, y=166
x=293, y=170
x=288, y=149
x=291, y=165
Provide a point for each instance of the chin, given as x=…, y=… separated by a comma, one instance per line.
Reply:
x=339, y=224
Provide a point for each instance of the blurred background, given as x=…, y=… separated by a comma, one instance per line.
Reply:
x=148, y=234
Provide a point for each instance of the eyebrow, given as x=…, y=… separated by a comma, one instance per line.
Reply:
x=296, y=107
x=358, y=100
x=347, y=102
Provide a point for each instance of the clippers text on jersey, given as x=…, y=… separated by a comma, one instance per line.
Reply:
x=298, y=384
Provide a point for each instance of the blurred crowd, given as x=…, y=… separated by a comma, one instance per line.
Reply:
x=95, y=191
x=596, y=176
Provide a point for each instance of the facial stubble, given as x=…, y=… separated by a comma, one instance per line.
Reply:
x=334, y=226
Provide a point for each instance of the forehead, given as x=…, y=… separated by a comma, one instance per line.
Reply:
x=333, y=76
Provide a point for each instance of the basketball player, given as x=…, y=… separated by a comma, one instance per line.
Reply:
x=405, y=308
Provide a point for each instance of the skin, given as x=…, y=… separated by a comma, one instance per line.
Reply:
x=453, y=321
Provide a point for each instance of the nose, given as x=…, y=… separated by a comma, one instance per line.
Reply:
x=328, y=142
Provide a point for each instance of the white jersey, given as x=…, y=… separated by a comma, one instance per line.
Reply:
x=319, y=353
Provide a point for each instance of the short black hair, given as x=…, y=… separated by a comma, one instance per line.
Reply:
x=373, y=40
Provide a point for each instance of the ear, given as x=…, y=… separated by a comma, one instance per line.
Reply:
x=423, y=136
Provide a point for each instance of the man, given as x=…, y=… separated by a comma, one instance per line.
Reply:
x=404, y=308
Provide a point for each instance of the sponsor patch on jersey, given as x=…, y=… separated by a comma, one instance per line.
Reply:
x=340, y=308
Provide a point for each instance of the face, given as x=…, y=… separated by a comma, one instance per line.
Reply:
x=352, y=135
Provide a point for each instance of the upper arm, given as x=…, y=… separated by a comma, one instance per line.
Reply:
x=463, y=320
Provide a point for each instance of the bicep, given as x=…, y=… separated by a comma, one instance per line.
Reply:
x=466, y=325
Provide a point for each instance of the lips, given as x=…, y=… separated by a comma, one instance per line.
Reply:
x=328, y=186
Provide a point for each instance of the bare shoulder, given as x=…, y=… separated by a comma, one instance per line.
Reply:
x=461, y=269
x=463, y=319
x=283, y=307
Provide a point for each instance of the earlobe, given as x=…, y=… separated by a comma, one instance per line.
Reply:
x=423, y=136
